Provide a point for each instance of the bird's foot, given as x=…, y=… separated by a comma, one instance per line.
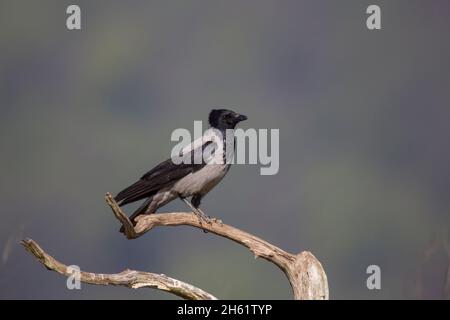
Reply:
x=216, y=220
x=209, y=219
x=202, y=218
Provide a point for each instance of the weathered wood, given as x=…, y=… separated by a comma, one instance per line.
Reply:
x=127, y=278
x=305, y=273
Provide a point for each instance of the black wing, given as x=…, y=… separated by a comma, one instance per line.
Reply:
x=163, y=175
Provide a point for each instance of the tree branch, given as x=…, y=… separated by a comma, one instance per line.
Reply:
x=127, y=278
x=304, y=272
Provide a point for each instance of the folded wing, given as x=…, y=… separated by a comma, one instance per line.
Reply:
x=162, y=176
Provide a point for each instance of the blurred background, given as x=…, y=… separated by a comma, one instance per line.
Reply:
x=364, y=119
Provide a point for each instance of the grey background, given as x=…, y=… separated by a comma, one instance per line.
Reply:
x=364, y=140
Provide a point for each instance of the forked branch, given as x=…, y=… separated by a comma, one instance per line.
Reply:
x=127, y=278
x=304, y=272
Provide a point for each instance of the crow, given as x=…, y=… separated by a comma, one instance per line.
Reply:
x=187, y=177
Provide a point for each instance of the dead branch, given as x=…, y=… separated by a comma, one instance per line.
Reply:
x=127, y=278
x=304, y=272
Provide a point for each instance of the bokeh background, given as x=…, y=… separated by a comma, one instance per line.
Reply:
x=364, y=119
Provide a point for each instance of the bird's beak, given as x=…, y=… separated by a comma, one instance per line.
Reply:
x=240, y=117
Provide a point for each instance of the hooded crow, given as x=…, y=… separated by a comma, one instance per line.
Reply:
x=186, y=178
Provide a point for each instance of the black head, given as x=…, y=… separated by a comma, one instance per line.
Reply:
x=225, y=119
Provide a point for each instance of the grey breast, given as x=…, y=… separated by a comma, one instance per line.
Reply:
x=201, y=181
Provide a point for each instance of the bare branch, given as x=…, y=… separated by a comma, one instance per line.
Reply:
x=304, y=272
x=130, y=233
x=128, y=278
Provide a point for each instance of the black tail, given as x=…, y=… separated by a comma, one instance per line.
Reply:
x=141, y=210
x=137, y=191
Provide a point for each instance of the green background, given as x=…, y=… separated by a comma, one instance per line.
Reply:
x=364, y=140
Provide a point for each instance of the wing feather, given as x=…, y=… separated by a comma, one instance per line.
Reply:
x=162, y=176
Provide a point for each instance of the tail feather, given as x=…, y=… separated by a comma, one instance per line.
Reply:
x=135, y=192
x=141, y=210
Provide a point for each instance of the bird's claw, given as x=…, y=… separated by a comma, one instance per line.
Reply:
x=202, y=218
x=216, y=220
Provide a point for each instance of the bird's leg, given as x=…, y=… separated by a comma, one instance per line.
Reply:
x=209, y=219
x=204, y=215
x=195, y=210
x=200, y=215
x=195, y=201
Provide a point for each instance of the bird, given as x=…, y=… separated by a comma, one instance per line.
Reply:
x=185, y=178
